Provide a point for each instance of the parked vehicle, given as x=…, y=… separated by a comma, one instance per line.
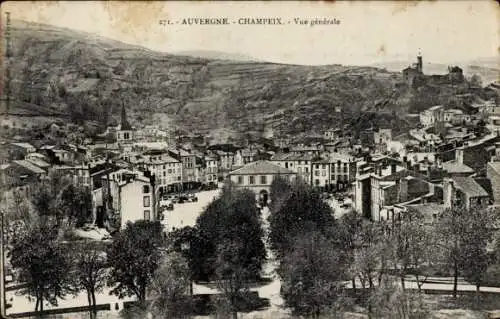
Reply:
x=183, y=198
x=166, y=204
x=175, y=199
x=192, y=198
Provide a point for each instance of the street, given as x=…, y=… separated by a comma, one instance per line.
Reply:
x=185, y=214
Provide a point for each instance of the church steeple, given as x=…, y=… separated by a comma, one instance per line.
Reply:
x=125, y=125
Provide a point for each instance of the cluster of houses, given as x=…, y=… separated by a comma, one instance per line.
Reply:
x=442, y=161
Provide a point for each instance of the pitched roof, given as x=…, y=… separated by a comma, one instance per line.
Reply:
x=29, y=166
x=469, y=186
x=23, y=145
x=261, y=167
x=495, y=166
x=456, y=167
x=39, y=162
x=291, y=157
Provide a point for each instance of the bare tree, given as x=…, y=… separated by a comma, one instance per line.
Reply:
x=170, y=288
x=91, y=271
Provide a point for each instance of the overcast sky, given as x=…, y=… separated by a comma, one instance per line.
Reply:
x=444, y=31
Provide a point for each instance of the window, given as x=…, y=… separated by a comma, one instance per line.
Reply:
x=299, y=170
x=164, y=174
x=145, y=189
x=147, y=215
x=286, y=164
x=263, y=179
x=306, y=169
x=317, y=166
x=251, y=180
x=324, y=173
x=163, y=166
x=146, y=201
x=317, y=182
x=240, y=180
x=316, y=173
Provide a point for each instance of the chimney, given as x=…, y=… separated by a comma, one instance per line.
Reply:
x=393, y=168
x=403, y=189
x=459, y=155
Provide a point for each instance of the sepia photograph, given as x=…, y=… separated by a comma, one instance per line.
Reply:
x=250, y=159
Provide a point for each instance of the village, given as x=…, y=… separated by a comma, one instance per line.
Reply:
x=450, y=157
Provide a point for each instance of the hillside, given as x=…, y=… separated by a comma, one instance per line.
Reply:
x=85, y=77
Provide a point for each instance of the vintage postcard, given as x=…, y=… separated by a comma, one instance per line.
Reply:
x=250, y=159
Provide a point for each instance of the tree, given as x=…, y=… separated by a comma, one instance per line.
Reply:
x=233, y=217
x=43, y=265
x=280, y=190
x=450, y=228
x=232, y=275
x=348, y=233
x=477, y=233
x=303, y=211
x=76, y=203
x=91, y=270
x=372, y=254
x=309, y=286
x=194, y=247
x=134, y=257
x=46, y=197
x=414, y=246
x=389, y=301
x=170, y=288
x=476, y=81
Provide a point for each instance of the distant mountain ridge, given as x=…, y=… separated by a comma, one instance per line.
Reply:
x=217, y=55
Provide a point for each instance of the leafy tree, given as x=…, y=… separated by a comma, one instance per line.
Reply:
x=308, y=286
x=302, y=212
x=76, y=202
x=477, y=233
x=371, y=255
x=279, y=192
x=233, y=217
x=232, y=276
x=43, y=265
x=414, y=246
x=134, y=257
x=348, y=233
x=170, y=288
x=450, y=228
x=476, y=81
x=91, y=270
x=46, y=197
x=194, y=247
x=390, y=301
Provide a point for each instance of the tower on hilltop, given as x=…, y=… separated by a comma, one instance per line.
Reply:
x=125, y=125
x=419, y=63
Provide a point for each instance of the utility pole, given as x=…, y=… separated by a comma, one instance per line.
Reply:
x=2, y=268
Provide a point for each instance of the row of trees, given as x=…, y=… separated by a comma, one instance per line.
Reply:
x=319, y=255
x=225, y=246
x=52, y=268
